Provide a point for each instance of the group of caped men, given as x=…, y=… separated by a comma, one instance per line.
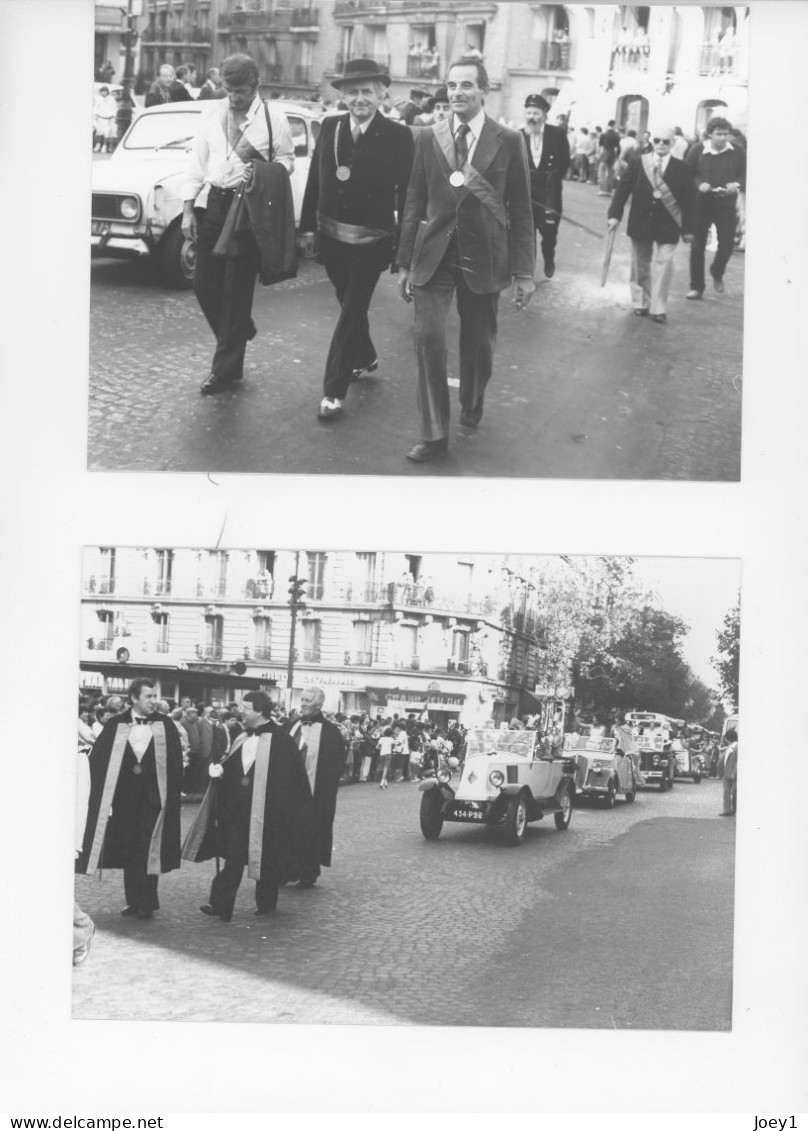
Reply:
x=269, y=806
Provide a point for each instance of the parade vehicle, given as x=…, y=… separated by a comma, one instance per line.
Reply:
x=689, y=761
x=602, y=772
x=138, y=193
x=507, y=780
x=657, y=761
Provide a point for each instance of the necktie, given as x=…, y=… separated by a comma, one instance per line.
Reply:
x=356, y=133
x=658, y=173
x=462, y=145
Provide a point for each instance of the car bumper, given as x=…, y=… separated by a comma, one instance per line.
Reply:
x=119, y=247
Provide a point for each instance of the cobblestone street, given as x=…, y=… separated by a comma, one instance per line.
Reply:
x=623, y=921
x=581, y=388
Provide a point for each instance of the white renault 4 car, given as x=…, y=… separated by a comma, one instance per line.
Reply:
x=137, y=193
x=508, y=779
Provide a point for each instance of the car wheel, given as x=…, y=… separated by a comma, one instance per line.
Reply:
x=516, y=820
x=431, y=817
x=564, y=816
x=611, y=796
x=177, y=258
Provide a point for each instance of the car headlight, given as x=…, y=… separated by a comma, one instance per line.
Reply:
x=444, y=776
x=497, y=778
x=596, y=767
x=656, y=759
x=129, y=207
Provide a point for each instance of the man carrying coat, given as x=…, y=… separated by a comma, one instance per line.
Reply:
x=353, y=201
x=468, y=227
x=322, y=753
x=257, y=813
x=133, y=818
x=548, y=159
x=662, y=198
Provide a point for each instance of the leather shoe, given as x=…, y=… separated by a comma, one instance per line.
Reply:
x=470, y=417
x=693, y=294
x=145, y=914
x=364, y=370
x=329, y=408
x=305, y=883
x=261, y=912
x=216, y=912
x=719, y=285
x=425, y=450
x=129, y=912
x=549, y=266
x=640, y=311
x=659, y=318
x=213, y=384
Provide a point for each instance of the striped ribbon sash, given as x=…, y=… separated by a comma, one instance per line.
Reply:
x=255, y=846
x=661, y=190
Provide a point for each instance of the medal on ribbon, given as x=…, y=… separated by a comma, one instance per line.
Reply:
x=343, y=173
x=457, y=178
x=137, y=768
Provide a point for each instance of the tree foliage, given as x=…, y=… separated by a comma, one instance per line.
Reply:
x=727, y=662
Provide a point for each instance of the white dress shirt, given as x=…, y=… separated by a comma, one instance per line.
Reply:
x=212, y=159
x=536, y=146
x=475, y=129
x=139, y=738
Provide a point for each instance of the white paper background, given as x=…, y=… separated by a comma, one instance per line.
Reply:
x=51, y=506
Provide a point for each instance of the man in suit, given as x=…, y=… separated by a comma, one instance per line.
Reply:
x=257, y=812
x=322, y=752
x=468, y=227
x=662, y=197
x=548, y=159
x=354, y=194
x=133, y=819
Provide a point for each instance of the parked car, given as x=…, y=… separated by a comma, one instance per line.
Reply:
x=137, y=193
x=507, y=780
x=602, y=771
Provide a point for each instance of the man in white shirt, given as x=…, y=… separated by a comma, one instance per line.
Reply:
x=232, y=135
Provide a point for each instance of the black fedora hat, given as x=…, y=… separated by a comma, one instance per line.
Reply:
x=360, y=70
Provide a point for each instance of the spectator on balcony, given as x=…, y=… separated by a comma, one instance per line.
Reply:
x=134, y=808
x=726, y=50
x=212, y=86
x=354, y=199
x=548, y=159
x=231, y=141
x=323, y=752
x=719, y=169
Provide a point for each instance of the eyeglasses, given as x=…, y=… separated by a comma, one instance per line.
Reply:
x=661, y=141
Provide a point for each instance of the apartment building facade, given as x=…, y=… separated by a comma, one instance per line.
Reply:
x=453, y=636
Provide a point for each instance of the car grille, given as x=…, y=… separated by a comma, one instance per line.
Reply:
x=105, y=206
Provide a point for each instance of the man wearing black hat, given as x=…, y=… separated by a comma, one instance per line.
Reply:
x=548, y=159
x=410, y=110
x=354, y=195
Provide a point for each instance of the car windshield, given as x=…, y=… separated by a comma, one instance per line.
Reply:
x=484, y=740
x=163, y=131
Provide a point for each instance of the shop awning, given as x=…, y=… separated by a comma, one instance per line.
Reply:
x=203, y=678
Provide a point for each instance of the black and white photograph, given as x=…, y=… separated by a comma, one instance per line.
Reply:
x=435, y=768
x=589, y=225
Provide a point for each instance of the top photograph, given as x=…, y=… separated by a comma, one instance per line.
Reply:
x=421, y=237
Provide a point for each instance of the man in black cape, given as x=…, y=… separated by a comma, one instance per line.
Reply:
x=133, y=819
x=258, y=811
x=322, y=753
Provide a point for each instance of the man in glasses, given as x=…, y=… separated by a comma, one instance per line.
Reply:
x=662, y=200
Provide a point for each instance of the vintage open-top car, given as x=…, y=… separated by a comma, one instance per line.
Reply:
x=657, y=760
x=508, y=780
x=602, y=771
x=688, y=760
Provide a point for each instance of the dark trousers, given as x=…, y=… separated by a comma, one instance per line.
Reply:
x=209, y=285
x=546, y=224
x=478, y=335
x=354, y=271
x=226, y=884
x=709, y=212
x=140, y=889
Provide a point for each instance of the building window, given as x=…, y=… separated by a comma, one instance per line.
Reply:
x=362, y=642
x=423, y=57
x=214, y=635
x=219, y=563
x=107, y=630
x=263, y=631
x=413, y=565
x=316, y=580
x=106, y=582
x=165, y=564
x=161, y=632
x=311, y=641
x=407, y=654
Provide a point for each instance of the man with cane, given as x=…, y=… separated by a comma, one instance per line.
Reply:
x=258, y=811
x=236, y=132
x=548, y=159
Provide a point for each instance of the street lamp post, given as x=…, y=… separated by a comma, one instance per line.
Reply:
x=130, y=13
x=296, y=601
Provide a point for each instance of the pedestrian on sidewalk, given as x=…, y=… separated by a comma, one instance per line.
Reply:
x=385, y=755
x=662, y=199
x=257, y=813
x=322, y=752
x=355, y=191
x=548, y=159
x=719, y=169
x=730, y=775
x=134, y=808
x=468, y=228
x=237, y=133
x=609, y=147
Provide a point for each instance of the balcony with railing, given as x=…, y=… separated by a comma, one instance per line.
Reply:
x=458, y=667
x=555, y=54
x=201, y=35
x=101, y=587
x=161, y=646
x=311, y=655
x=358, y=659
x=719, y=59
x=210, y=652
x=305, y=19
x=423, y=66
x=103, y=645
x=409, y=663
x=263, y=654
x=631, y=54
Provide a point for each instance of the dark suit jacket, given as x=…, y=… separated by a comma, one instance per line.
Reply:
x=380, y=165
x=546, y=180
x=330, y=764
x=494, y=248
x=649, y=219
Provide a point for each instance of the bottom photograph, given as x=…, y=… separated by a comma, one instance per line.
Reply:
x=406, y=788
